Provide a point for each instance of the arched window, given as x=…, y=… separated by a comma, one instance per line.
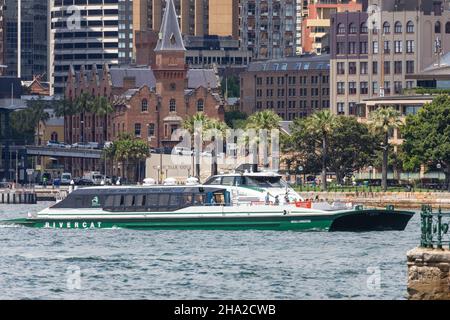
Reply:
x=398, y=27
x=200, y=105
x=352, y=28
x=437, y=27
x=364, y=29
x=386, y=28
x=54, y=136
x=447, y=27
x=172, y=105
x=410, y=27
x=341, y=28
x=144, y=105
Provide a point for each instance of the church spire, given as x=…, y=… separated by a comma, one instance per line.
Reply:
x=170, y=38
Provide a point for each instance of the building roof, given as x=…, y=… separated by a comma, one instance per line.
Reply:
x=206, y=78
x=142, y=76
x=170, y=38
x=305, y=63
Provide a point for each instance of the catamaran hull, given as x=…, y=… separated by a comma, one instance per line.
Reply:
x=354, y=221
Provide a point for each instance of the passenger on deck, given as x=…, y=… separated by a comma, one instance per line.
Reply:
x=267, y=198
x=277, y=200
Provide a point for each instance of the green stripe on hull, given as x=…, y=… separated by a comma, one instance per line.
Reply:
x=282, y=223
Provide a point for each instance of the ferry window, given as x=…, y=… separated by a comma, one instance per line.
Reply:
x=219, y=198
x=228, y=181
x=174, y=200
x=163, y=201
x=140, y=200
x=109, y=202
x=239, y=181
x=129, y=201
x=187, y=199
x=214, y=181
x=118, y=200
x=152, y=200
x=199, y=199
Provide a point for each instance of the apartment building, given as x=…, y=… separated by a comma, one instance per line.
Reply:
x=315, y=24
x=92, y=41
x=268, y=28
x=373, y=56
x=291, y=87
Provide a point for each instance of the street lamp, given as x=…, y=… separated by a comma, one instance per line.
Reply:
x=370, y=168
x=439, y=167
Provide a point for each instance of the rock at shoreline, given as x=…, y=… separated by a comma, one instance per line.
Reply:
x=428, y=274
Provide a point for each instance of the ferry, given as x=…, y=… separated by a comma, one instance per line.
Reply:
x=223, y=202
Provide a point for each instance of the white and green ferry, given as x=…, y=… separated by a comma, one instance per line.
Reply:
x=225, y=202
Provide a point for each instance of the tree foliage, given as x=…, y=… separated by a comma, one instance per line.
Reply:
x=427, y=135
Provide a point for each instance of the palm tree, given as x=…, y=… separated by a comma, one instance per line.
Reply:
x=383, y=121
x=220, y=127
x=83, y=105
x=65, y=108
x=322, y=123
x=102, y=108
x=264, y=120
x=190, y=125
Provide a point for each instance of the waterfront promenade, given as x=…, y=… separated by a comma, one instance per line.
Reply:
x=409, y=200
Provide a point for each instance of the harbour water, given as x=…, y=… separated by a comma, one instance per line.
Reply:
x=126, y=264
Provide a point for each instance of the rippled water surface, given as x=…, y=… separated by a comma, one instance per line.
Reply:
x=125, y=264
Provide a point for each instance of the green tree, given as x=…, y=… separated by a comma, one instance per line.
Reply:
x=383, y=121
x=427, y=135
x=234, y=119
x=128, y=150
x=65, y=108
x=353, y=147
x=231, y=83
x=84, y=104
x=322, y=124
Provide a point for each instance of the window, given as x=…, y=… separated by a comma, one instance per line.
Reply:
x=410, y=27
x=387, y=48
x=363, y=47
x=172, y=105
x=447, y=27
x=410, y=46
x=340, y=68
x=340, y=88
x=364, y=87
x=364, y=29
x=340, y=108
x=352, y=68
x=398, y=87
x=200, y=105
x=341, y=28
x=375, y=47
x=398, y=27
x=387, y=87
x=375, y=89
x=398, y=67
x=398, y=46
x=340, y=48
x=352, y=47
x=352, y=108
x=387, y=67
x=437, y=27
x=375, y=67
x=54, y=136
x=151, y=130
x=352, y=87
x=409, y=67
x=137, y=129
x=144, y=105
x=352, y=29
x=363, y=68
x=386, y=28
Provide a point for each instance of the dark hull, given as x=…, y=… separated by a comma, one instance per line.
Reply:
x=372, y=220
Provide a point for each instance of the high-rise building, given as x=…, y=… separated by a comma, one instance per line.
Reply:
x=90, y=40
x=315, y=22
x=192, y=15
x=375, y=56
x=268, y=28
x=2, y=34
x=34, y=49
x=224, y=18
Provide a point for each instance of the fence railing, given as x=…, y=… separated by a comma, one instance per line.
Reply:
x=435, y=228
x=365, y=189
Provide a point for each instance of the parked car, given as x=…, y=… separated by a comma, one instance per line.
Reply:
x=83, y=182
x=55, y=144
x=182, y=151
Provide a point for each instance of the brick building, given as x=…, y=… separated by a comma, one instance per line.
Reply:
x=150, y=102
x=291, y=87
